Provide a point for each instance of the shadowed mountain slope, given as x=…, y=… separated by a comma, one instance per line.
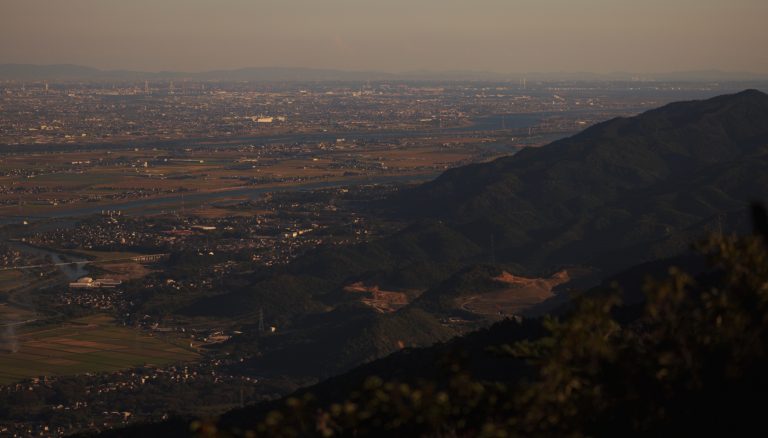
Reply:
x=627, y=192
x=629, y=185
x=624, y=192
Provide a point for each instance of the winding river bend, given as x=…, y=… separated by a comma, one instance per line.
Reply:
x=164, y=203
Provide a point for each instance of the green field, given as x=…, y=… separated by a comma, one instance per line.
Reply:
x=93, y=344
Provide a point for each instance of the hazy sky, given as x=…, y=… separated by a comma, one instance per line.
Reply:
x=390, y=35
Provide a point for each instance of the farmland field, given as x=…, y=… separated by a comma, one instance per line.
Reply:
x=92, y=344
x=47, y=183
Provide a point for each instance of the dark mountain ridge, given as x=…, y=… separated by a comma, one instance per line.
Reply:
x=78, y=72
x=475, y=354
x=540, y=202
x=627, y=192
x=607, y=199
x=632, y=152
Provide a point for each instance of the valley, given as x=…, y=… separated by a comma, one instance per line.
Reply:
x=249, y=272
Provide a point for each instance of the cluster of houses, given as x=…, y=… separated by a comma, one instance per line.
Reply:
x=98, y=283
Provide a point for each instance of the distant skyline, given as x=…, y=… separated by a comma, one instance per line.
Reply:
x=504, y=36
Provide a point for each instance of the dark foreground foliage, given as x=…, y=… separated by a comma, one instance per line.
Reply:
x=692, y=361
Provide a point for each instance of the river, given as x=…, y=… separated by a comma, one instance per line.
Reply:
x=157, y=205
x=73, y=272
x=478, y=124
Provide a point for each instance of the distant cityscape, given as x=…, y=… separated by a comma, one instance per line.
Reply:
x=339, y=218
x=183, y=237
x=47, y=112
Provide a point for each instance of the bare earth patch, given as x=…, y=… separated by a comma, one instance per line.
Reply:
x=521, y=294
x=381, y=300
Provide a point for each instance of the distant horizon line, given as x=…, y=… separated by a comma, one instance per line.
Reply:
x=11, y=68
x=356, y=70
